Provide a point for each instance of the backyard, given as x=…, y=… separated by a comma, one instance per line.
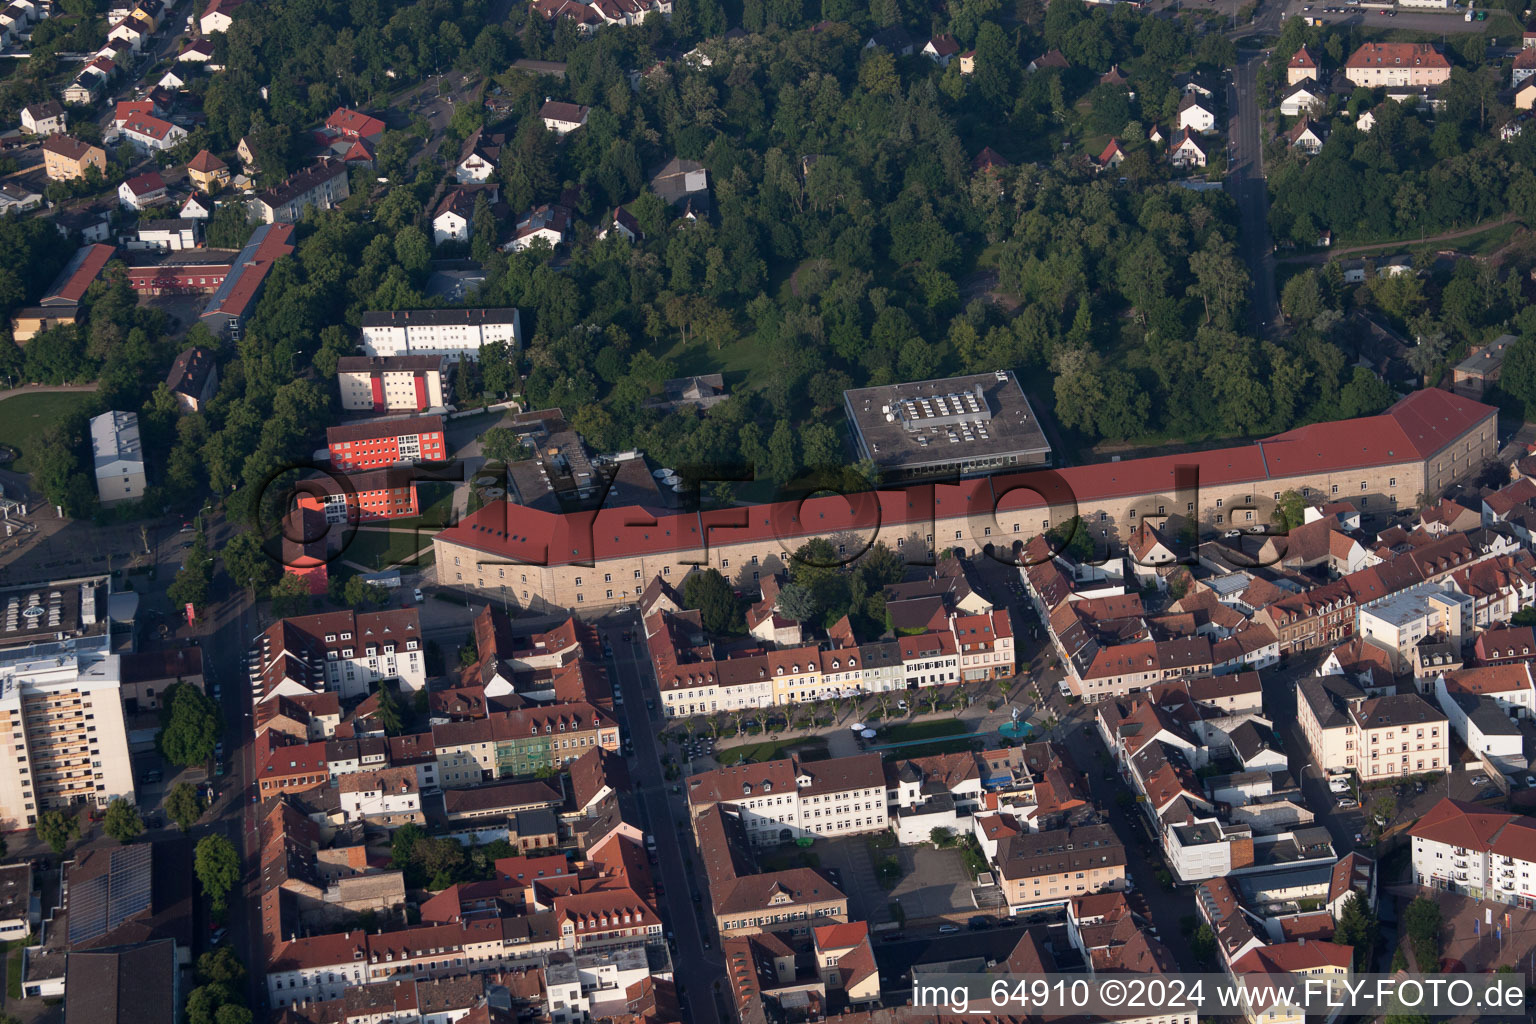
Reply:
x=23, y=418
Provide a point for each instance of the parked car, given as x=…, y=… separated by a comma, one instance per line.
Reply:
x=948, y=929
x=1347, y=803
x=419, y=596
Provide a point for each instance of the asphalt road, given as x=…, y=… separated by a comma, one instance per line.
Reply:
x=1245, y=181
x=700, y=970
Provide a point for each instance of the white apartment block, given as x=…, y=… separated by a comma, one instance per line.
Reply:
x=62, y=736
x=1399, y=622
x=782, y=801
x=118, y=456
x=392, y=383
x=455, y=333
x=1477, y=852
x=346, y=652
x=1375, y=737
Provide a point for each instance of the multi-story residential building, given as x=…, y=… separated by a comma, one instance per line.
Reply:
x=929, y=659
x=385, y=443
x=785, y=800
x=1420, y=445
x=513, y=743
x=117, y=457
x=318, y=187
x=1398, y=622
x=455, y=333
x=1121, y=669
x=1375, y=737
x=386, y=796
x=795, y=901
x=1504, y=646
x=62, y=737
x=1039, y=869
x=1320, y=617
x=45, y=118
x=1499, y=587
x=1476, y=851
x=985, y=645
x=1510, y=685
x=1397, y=64
x=66, y=158
x=346, y=651
x=409, y=383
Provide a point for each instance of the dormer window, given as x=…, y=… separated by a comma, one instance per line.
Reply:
x=346, y=636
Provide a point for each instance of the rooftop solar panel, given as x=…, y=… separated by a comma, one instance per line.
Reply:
x=101, y=903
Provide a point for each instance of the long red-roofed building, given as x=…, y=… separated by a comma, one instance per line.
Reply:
x=605, y=557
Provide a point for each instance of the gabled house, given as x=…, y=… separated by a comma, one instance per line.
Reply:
x=1189, y=152
x=1307, y=136
x=1303, y=97
x=195, y=208
x=621, y=223
x=217, y=16
x=199, y=51
x=1301, y=67
x=1524, y=66
x=941, y=50
x=1112, y=156
x=453, y=219
x=968, y=62
x=17, y=198
x=42, y=118
x=142, y=192
x=1196, y=112
x=152, y=134
x=1048, y=60
x=895, y=39
x=352, y=124
x=563, y=118
x=478, y=158
x=550, y=223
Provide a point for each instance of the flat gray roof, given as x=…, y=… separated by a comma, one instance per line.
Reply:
x=974, y=423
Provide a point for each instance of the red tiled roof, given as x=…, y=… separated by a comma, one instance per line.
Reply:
x=1423, y=55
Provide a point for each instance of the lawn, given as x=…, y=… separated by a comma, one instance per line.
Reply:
x=769, y=750
x=902, y=732
x=24, y=417
x=957, y=745
x=379, y=549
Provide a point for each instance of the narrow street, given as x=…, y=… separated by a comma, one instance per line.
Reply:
x=1245, y=182
x=700, y=970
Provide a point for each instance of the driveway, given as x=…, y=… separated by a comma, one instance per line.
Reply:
x=849, y=859
x=934, y=883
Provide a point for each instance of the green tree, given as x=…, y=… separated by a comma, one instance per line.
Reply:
x=389, y=709
x=183, y=806
x=58, y=829
x=1290, y=510
x=217, y=865
x=1357, y=928
x=290, y=596
x=247, y=562
x=193, y=579
x=1071, y=539
x=796, y=602
x=1422, y=923
x=229, y=227
x=502, y=444
x=122, y=821
x=189, y=725
x=710, y=592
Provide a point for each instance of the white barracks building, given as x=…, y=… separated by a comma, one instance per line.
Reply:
x=455, y=333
